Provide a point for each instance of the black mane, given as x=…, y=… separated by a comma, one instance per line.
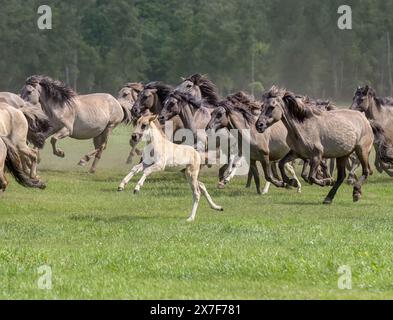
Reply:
x=56, y=90
x=163, y=90
x=208, y=88
x=233, y=107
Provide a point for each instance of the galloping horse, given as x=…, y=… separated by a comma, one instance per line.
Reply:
x=316, y=134
x=168, y=154
x=81, y=117
x=14, y=150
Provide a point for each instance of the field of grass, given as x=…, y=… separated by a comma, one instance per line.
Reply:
x=108, y=245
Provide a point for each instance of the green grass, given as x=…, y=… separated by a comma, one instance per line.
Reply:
x=108, y=245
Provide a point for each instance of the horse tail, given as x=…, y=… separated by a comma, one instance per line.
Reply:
x=38, y=125
x=14, y=165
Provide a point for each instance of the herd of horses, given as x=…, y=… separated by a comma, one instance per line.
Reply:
x=279, y=128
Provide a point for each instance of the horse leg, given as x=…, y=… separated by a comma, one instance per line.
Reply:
x=3, y=156
x=138, y=168
x=352, y=169
x=341, y=166
x=63, y=133
x=304, y=174
x=134, y=152
x=146, y=173
x=282, y=165
x=100, y=142
x=205, y=193
x=292, y=172
x=255, y=174
x=314, y=166
x=331, y=168
x=221, y=176
x=363, y=156
x=192, y=177
x=29, y=159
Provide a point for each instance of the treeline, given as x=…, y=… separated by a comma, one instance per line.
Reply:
x=98, y=45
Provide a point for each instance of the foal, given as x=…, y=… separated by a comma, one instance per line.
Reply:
x=167, y=154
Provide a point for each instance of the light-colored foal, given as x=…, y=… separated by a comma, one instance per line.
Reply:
x=167, y=154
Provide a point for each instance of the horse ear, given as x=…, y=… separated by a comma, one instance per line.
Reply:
x=183, y=79
x=153, y=118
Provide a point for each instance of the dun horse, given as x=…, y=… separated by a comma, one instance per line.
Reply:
x=127, y=97
x=266, y=148
x=380, y=112
x=315, y=134
x=81, y=117
x=14, y=149
x=167, y=154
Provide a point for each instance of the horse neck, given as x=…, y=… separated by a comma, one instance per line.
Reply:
x=374, y=111
x=187, y=117
x=157, y=105
x=293, y=126
x=239, y=123
x=156, y=136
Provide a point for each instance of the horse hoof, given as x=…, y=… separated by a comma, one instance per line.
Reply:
x=42, y=186
x=120, y=189
x=190, y=220
x=82, y=163
x=221, y=186
x=356, y=197
x=136, y=191
x=294, y=183
x=328, y=201
x=60, y=154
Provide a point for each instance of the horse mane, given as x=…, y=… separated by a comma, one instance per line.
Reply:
x=320, y=104
x=56, y=90
x=295, y=105
x=187, y=98
x=244, y=99
x=208, y=89
x=380, y=101
x=230, y=108
x=163, y=90
x=137, y=86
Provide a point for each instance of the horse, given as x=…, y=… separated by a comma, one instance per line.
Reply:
x=80, y=117
x=14, y=148
x=202, y=88
x=37, y=120
x=127, y=97
x=379, y=111
x=266, y=148
x=316, y=134
x=195, y=115
x=168, y=154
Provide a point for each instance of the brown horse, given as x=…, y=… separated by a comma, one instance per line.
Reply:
x=316, y=134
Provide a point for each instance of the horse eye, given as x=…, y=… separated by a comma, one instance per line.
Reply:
x=189, y=86
x=144, y=126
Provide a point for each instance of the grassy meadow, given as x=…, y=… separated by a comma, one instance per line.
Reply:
x=101, y=244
